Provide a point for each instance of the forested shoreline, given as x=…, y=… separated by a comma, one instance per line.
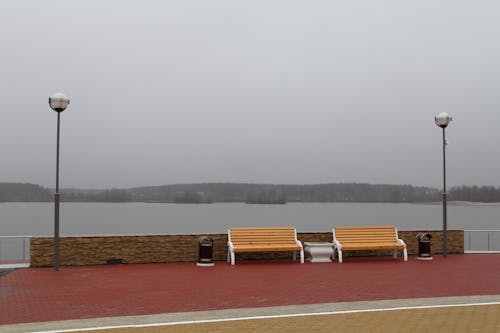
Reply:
x=252, y=193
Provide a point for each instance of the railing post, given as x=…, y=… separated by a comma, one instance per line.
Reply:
x=470, y=240
x=24, y=249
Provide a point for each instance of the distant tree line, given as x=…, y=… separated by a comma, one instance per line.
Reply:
x=475, y=193
x=23, y=192
x=112, y=195
x=266, y=193
x=191, y=197
x=266, y=197
x=254, y=193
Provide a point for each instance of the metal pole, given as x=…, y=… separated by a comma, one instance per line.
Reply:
x=57, y=199
x=445, y=222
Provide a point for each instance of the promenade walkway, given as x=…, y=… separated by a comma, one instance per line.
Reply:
x=462, y=290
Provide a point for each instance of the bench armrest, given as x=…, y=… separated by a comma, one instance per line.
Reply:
x=229, y=242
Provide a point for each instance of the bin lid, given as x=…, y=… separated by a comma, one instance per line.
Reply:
x=424, y=236
x=205, y=240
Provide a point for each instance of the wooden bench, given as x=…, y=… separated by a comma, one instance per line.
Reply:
x=367, y=238
x=265, y=239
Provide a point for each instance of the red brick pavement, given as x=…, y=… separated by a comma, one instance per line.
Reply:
x=35, y=295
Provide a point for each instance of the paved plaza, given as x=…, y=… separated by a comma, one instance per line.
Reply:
x=459, y=293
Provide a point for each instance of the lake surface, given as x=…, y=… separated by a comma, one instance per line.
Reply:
x=159, y=218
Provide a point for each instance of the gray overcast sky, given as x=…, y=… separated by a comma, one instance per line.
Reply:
x=260, y=91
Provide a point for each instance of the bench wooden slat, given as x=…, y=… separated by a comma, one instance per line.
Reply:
x=259, y=242
x=268, y=247
x=375, y=246
x=262, y=236
x=263, y=240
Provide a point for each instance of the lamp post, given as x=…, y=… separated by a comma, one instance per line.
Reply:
x=442, y=120
x=58, y=102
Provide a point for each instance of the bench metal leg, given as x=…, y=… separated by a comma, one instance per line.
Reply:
x=395, y=254
x=301, y=256
x=405, y=254
x=339, y=252
x=232, y=258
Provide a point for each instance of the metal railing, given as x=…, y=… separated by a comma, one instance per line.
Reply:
x=14, y=251
x=482, y=241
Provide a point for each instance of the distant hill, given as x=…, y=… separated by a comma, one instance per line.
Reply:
x=23, y=192
x=251, y=193
x=335, y=192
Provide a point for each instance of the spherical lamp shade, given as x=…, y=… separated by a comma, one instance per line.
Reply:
x=443, y=119
x=58, y=102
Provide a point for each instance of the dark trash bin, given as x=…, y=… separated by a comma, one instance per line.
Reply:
x=424, y=246
x=205, y=252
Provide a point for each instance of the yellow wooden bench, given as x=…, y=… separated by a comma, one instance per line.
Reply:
x=263, y=239
x=367, y=238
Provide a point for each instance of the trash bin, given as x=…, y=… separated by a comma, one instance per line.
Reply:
x=424, y=246
x=205, y=252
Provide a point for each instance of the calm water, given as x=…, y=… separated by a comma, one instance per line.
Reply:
x=144, y=218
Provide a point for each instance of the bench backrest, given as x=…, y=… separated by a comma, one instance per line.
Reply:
x=369, y=234
x=264, y=235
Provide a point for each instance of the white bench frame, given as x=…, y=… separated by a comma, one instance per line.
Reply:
x=230, y=248
x=338, y=246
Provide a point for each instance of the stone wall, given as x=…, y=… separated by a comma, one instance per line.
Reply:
x=97, y=250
